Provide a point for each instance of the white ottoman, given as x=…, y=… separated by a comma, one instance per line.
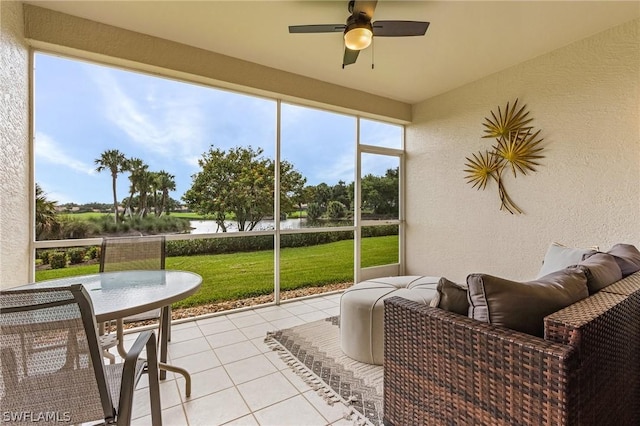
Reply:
x=362, y=312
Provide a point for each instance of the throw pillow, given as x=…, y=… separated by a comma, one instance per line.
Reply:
x=451, y=297
x=602, y=270
x=628, y=258
x=559, y=257
x=522, y=306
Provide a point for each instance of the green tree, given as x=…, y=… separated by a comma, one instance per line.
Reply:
x=336, y=210
x=239, y=182
x=46, y=217
x=136, y=168
x=144, y=184
x=292, y=189
x=314, y=212
x=340, y=193
x=322, y=195
x=164, y=182
x=114, y=161
x=380, y=194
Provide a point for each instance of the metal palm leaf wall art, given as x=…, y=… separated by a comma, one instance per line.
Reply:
x=517, y=147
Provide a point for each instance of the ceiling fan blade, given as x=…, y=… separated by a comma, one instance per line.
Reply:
x=350, y=57
x=324, y=28
x=365, y=7
x=399, y=28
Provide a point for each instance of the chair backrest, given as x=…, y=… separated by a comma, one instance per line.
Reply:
x=132, y=253
x=52, y=367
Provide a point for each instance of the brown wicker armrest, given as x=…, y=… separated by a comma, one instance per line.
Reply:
x=444, y=368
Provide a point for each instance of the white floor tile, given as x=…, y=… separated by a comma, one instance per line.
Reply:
x=287, y=322
x=260, y=344
x=205, y=383
x=258, y=330
x=211, y=320
x=189, y=347
x=302, y=308
x=333, y=297
x=295, y=380
x=275, y=359
x=198, y=362
x=240, y=314
x=173, y=416
x=267, y=309
x=183, y=325
x=249, y=369
x=332, y=312
x=217, y=327
x=236, y=378
x=236, y=352
x=276, y=314
x=243, y=421
x=343, y=422
x=313, y=316
x=248, y=320
x=227, y=338
x=216, y=409
x=322, y=303
x=169, y=394
x=331, y=412
x=141, y=403
x=267, y=390
x=296, y=411
x=185, y=334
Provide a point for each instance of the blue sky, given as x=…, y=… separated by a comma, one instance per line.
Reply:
x=83, y=109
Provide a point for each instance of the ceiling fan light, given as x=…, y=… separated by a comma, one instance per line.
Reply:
x=358, y=38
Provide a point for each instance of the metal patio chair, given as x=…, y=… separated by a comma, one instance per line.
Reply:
x=51, y=362
x=137, y=253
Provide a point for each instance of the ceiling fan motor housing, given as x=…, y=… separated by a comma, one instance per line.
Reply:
x=358, y=21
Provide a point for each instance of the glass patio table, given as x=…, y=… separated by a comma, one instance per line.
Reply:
x=116, y=295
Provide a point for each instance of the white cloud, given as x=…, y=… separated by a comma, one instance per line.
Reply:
x=156, y=122
x=341, y=168
x=48, y=150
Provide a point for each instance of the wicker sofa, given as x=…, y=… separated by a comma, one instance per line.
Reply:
x=445, y=368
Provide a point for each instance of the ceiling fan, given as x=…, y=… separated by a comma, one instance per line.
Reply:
x=359, y=30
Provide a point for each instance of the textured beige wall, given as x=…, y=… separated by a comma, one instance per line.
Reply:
x=69, y=34
x=586, y=99
x=14, y=159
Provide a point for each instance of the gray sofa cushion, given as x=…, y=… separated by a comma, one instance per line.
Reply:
x=628, y=258
x=451, y=297
x=522, y=306
x=559, y=257
x=603, y=270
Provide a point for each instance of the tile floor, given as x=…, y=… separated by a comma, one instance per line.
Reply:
x=236, y=378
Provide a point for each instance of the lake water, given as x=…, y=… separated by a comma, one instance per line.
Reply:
x=210, y=226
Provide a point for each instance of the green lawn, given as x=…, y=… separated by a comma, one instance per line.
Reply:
x=88, y=215
x=238, y=275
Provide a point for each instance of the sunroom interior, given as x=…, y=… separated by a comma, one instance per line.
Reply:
x=576, y=65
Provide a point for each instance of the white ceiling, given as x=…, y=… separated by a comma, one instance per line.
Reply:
x=465, y=41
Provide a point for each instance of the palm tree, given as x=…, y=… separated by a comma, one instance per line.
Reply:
x=144, y=180
x=135, y=167
x=165, y=182
x=46, y=219
x=114, y=161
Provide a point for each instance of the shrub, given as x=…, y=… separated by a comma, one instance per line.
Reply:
x=76, y=255
x=72, y=228
x=43, y=255
x=265, y=242
x=93, y=252
x=58, y=259
x=336, y=210
x=314, y=211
